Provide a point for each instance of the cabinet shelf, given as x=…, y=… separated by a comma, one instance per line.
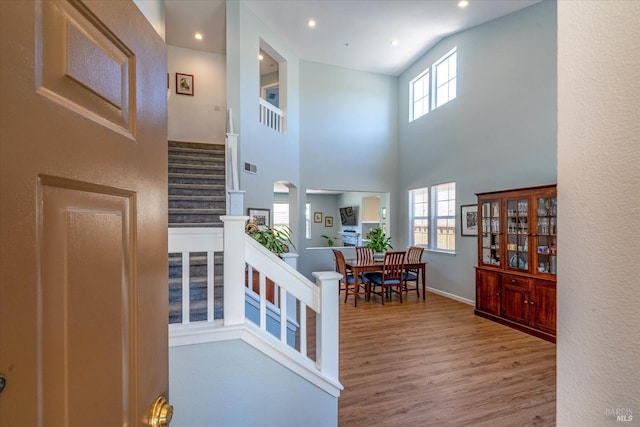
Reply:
x=517, y=259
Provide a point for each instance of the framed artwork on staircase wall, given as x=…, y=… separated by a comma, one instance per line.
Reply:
x=260, y=217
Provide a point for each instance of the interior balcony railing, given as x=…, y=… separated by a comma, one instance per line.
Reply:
x=271, y=116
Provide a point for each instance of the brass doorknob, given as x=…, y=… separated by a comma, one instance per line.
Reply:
x=161, y=413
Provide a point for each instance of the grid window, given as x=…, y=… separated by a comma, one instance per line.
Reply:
x=444, y=199
x=307, y=220
x=445, y=78
x=419, y=209
x=433, y=218
x=419, y=96
x=280, y=215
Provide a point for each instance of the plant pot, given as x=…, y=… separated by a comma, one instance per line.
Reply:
x=378, y=256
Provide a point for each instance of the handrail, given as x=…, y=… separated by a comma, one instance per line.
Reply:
x=297, y=295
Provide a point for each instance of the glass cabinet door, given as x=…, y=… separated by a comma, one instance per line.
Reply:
x=546, y=235
x=491, y=232
x=518, y=234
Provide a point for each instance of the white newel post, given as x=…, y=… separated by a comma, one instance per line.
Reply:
x=327, y=323
x=236, y=202
x=234, y=268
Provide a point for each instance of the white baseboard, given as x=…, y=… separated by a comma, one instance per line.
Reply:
x=452, y=296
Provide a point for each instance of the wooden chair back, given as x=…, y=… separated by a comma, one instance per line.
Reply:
x=414, y=255
x=364, y=254
x=393, y=265
x=341, y=264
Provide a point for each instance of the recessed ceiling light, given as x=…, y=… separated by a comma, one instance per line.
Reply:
x=463, y=3
x=260, y=57
x=311, y=23
x=394, y=42
x=198, y=36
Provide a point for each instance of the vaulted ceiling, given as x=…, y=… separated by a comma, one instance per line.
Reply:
x=355, y=34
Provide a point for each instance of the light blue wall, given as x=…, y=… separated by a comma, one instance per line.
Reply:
x=499, y=133
x=348, y=137
x=348, y=131
x=276, y=155
x=236, y=385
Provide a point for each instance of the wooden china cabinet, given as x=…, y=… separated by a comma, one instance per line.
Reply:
x=517, y=259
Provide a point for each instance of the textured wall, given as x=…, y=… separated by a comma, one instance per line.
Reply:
x=599, y=200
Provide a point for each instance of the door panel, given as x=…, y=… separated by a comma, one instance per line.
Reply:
x=83, y=188
x=543, y=305
x=88, y=294
x=515, y=303
x=488, y=292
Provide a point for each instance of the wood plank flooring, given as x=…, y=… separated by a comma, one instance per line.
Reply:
x=433, y=363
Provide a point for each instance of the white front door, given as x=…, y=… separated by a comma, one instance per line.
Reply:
x=83, y=214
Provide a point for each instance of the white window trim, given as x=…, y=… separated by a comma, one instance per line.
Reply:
x=433, y=231
x=434, y=78
x=432, y=218
x=307, y=221
x=412, y=217
x=411, y=94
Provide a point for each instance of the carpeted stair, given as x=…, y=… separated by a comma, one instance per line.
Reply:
x=197, y=287
x=197, y=198
x=197, y=195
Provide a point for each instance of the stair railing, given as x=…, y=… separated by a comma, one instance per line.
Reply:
x=186, y=241
x=314, y=350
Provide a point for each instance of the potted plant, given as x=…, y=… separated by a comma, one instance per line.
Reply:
x=330, y=240
x=277, y=240
x=378, y=242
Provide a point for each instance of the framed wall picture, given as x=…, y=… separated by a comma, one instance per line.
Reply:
x=260, y=217
x=469, y=220
x=328, y=221
x=317, y=217
x=184, y=84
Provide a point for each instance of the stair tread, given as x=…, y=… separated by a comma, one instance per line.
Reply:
x=196, y=152
x=197, y=145
x=198, y=186
x=197, y=224
x=198, y=166
x=174, y=197
x=194, y=175
x=198, y=280
x=197, y=211
x=216, y=156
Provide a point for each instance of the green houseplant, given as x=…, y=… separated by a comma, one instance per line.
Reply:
x=330, y=240
x=277, y=240
x=378, y=241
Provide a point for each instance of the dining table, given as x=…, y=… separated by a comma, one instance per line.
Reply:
x=357, y=267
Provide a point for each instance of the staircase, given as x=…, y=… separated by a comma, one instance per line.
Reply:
x=197, y=186
x=197, y=287
x=197, y=198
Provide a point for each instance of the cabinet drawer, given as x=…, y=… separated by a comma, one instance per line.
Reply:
x=522, y=282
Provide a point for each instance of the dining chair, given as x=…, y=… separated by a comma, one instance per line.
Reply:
x=364, y=253
x=348, y=282
x=414, y=256
x=390, y=277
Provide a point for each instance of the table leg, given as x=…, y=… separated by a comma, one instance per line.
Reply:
x=424, y=282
